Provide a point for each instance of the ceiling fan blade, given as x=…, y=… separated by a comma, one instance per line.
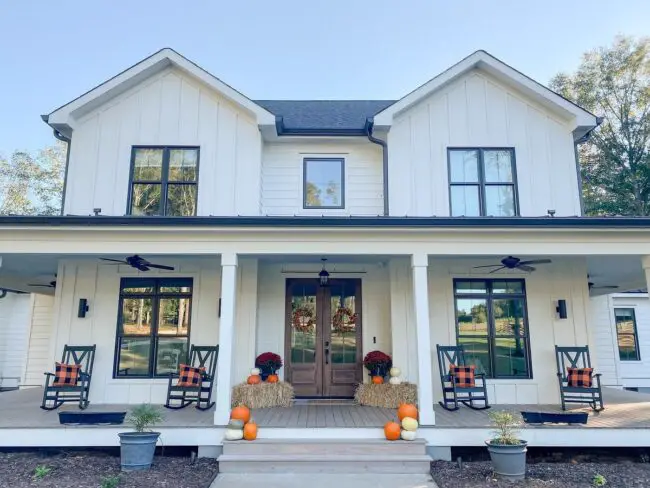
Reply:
x=526, y=268
x=37, y=284
x=536, y=261
x=498, y=269
x=288, y=271
x=160, y=266
x=487, y=266
x=604, y=287
x=121, y=261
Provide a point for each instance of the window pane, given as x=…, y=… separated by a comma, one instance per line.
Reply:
x=508, y=316
x=471, y=316
x=303, y=323
x=477, y=353
x=182, y=164
x=465, y=201
x=323, y=183
x=463, y=166
x=134, y=356
x=181, y=285
x=470, y=287
x=343, y=340
x=510, y=356
x=147, y=165
x=171, y=351
x=174, y=316
x=509, y=286
x=145, y=199
x=500, y=201
x=144, y=289
x=498, y=166
x=181, y=200
x=136, y=316
x=626, y=334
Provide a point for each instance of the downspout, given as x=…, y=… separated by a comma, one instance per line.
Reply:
x=68, y=141
x=582, y=140
x=384, y=149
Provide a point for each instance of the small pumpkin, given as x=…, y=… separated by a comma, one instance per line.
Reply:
x=272, y=378
x=392, y=431
x=234, y=434
x=409, y=423
x=250, y=431
x=377, y=380
x=407, y=410
x=408, y=435
x=235, y=424
x=395, y=380
x=254, y=379
x=241, y=413
x=255, y=371
x=394, y=372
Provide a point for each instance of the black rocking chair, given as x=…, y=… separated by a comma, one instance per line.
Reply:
x=577, y=357
x=453, y=394
x=200, y=357
x=57, y=395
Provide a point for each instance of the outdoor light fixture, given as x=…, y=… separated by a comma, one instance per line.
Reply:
x=561, y=309
x=83, y=308
x=324, y=276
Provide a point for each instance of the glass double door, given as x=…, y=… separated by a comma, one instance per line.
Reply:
x=323, y=337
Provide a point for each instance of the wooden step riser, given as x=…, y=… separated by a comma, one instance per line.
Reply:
x=323, y=449
x=295, y=466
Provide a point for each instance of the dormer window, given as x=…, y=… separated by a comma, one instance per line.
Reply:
x=163, y=181
x=323, y=183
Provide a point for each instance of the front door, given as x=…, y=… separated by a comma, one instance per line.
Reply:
x=323, y=337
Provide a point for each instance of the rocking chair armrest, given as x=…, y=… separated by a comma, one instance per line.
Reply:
x=49, y=374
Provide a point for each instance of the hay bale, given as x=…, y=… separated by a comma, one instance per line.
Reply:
x=263, y=395
x=386, y=395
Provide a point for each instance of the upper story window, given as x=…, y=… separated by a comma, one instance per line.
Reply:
x=323, y=183
x=626, y=335
x=482, y=182
x=163, y=181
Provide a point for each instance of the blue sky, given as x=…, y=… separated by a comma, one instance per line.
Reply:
x=51, y=52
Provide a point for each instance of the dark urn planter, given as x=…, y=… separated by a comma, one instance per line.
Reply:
x=266, y=371
x=137, y=450
x=380, y=370
x=508, y=461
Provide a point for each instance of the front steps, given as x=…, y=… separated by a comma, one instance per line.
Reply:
x=324, y=456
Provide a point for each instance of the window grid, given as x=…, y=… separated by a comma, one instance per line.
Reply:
x=621, y=336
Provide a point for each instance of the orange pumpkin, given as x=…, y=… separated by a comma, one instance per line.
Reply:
x=272, y=378
x=407, y=410
x=250, y=431
x=254, y=379
x=241, y=413
x=377, y=380
x=392, y=431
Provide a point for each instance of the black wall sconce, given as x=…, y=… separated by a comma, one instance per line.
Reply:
x=561, y=309
x=83, y=308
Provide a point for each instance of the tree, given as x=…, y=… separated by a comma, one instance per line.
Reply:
x=614, y=82
x=33, y=185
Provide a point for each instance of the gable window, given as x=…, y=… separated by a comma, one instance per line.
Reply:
x=626, y=335
x=163, y=181
x=323, y=183
x=482, y=182
x=492, y=325
x=153, y=326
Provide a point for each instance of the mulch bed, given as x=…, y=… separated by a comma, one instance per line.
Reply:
x=538, y=475
x=88, y=470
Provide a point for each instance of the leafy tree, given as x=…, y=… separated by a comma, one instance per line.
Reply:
x=33, y=184
x=614, y=82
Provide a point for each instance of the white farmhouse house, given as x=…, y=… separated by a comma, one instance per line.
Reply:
x=404, y=203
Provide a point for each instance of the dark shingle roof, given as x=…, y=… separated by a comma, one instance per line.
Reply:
x=314, y=115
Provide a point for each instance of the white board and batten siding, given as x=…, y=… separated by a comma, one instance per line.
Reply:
x=170, y=108
x=478, y=111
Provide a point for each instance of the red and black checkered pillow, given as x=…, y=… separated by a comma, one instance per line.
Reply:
x=66, y=374
x=579, y=377
x=463, y=376
x=189, y=375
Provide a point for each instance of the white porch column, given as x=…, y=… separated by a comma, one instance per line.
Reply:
x=645, y=262
x=420, y=263
x=226, y=333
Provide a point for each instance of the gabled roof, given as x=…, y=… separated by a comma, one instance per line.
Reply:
x=584, y=120
x=62, y=119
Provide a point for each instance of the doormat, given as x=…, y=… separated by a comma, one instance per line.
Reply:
x=262, y=395
x=386, y=395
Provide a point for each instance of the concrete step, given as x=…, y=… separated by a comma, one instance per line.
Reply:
x=325, y=447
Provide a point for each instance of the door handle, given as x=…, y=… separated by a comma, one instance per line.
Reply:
x=327, y=352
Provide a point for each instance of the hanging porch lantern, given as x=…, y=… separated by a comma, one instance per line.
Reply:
x=324, y=276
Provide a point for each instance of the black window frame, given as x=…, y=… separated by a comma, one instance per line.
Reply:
x=164, y=179
x=488, y=296
x=156, y=295
x=305, y=161
x=635, y=334
x=482, y=184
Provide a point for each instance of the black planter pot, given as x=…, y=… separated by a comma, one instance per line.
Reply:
x=379, y=371
x=266, y=371
x=509, y=462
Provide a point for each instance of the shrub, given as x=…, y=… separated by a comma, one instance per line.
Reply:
x=110, y=482
x=506, y=427
x=41, y=472
x=598, y=480
x=144, y=416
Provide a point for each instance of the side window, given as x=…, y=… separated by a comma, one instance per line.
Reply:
x=163, y=181
x=626, y=334
x=323, y=183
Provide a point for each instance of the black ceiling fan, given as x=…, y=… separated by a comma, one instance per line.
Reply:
x=594, y=286
x=512, y=262
x=51, y=284
x=139, y=263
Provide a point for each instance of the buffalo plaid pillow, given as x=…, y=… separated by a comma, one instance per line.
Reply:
x=463, y=376
x=189, y=375
x=66, y=374
x=579, y=377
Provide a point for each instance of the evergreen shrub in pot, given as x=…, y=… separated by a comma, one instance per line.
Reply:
x=507, y=450
x=137, y=448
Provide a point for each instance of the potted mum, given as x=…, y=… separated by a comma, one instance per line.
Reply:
x=378, y=363
x=268, y=363
x=137, y=448
x=507, y=450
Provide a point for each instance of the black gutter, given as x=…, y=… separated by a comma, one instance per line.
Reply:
x=68, y=141
x=330, y=222
x=320, y=131
x=384, y=152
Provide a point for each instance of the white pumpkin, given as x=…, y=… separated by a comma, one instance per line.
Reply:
x=255, y=371
x=395, y=372
x=409, y=424
x=234, y=435
x=408, y=435
x=395, y=380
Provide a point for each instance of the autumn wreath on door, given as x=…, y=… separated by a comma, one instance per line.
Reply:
x=302, y=319
x=344, y=320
